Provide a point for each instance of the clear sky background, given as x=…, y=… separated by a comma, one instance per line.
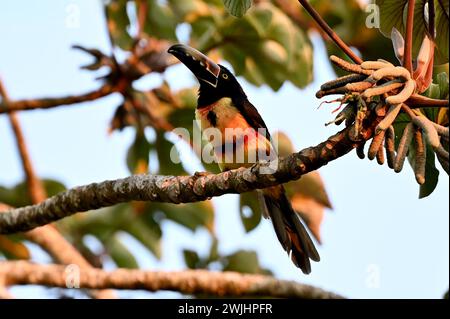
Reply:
x=380, y=241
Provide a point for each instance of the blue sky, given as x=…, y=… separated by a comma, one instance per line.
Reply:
x=380, y=241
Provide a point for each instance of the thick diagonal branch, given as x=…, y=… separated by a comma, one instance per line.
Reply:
x=188, y=282
x=182, y=189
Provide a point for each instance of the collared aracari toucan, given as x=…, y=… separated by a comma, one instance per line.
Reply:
x=222, y=104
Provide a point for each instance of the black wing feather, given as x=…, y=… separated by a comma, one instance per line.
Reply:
x=251, y=114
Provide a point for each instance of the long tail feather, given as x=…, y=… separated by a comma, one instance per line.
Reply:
x=289, y=229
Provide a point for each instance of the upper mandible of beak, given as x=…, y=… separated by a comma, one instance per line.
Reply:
x=203, y=67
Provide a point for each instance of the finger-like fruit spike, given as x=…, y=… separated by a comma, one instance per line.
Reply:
x=375, y=65
x=390, y=72
x=429, y=131
x=403, y=147
x=380, y=155
x=389, y=144
x=388, y=119
x=383, y=88
x=421, y=156
x=377, y=141
x=404, y=94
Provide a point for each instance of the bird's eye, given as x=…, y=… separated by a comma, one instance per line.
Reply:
x=225, y=76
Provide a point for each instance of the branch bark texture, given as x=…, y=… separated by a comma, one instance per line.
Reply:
x=188, y=282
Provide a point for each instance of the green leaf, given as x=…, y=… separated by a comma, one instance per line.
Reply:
x=169, y=162
x=431, y=175
x=264, y=46
x=160, y=21
x=442, y=34
x=119, y=253
x=237, y=7
x=192, y=215
x=393, y=14
x=442, y=81
x=191, y=258
x=118, y=23
x=244, y=261
x=18, y=195
x=138, y=154
x=146, y=235
x=250, y=212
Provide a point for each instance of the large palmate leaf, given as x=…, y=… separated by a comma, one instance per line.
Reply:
x=237, y=7
x=160, y=22
x=393, y=14
x=264, y=46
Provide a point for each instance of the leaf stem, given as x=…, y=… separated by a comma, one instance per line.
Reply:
x=321, y=22
x=407, y=59
x=417, y=101
x=431, y=21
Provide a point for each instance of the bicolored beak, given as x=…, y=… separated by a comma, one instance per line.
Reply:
x=201, y=66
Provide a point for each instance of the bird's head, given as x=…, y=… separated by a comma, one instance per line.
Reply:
x=215, y=80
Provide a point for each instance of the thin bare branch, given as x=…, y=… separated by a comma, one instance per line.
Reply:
x=46, y=103
x=188, y=282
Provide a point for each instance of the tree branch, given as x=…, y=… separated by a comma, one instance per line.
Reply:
x=46, y=103
x=184, y=189
x=188, y=282
x=48, y=237
x=333, y=35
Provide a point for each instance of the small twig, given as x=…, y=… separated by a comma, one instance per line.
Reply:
x=35, y=187
x=407, y=59
x=408, y=110
x=142, y=9
x=339, y=42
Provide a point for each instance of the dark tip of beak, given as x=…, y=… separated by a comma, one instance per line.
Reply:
x=203, y=67
x=176, y=48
